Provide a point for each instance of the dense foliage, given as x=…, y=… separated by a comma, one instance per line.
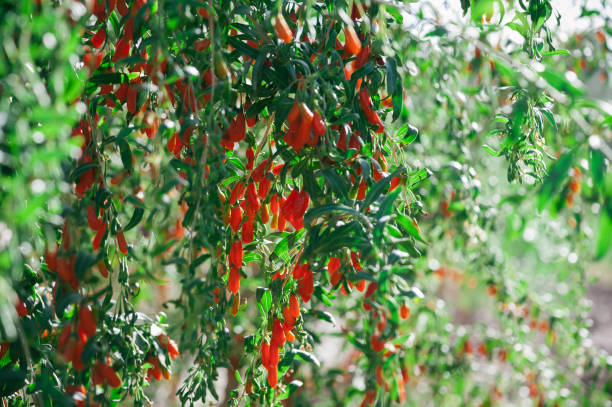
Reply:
x=267, y=203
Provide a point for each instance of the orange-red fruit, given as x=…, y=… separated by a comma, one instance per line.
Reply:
x=294, y=113
x=122, y=8
x=98, y=237
x=102, y=268
x=360, y=285
x=361, y=191
x=369, y=398
x=318, y=125
x=235, y=255
x=173, y=349
x=274, y=354
x=201, y=45
x=405, y=311
x=371, y=289
x=282, y=28
x=250, y=155
x=366, y=105
x=99, y=37
x=87, y=321
x=122, y=50
x=362, y=57
x=272, y=376
x=233, y=281
x=352, y=43
x=294, y=306
x=63, y=337
x=21, y=308
x=110, y=375
x=51, y=260
x=252, y=200
x=278, y=333
x=77, y=351
x=395, y=181
x=247, y=231
x=122, y=243
x=155, y=370
x=235, y=218
x=376, y=344
x=265, y=354
x=92, y=219
x=306, y=285
x=132, y=99
x=237, y=128
x=333, y=265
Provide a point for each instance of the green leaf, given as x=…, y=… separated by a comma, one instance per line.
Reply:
x=67, y=299
x=307, y=357
x=281, y=250
x=555, y=52
x=324, y=316
x=329, y=209
x=135, y=219
x=439, y=31
x=243, y=48
x=201, y=259
x=480, y=8
x=604, y=234
x=398, y=100
x=395, y=13
x=392, y=76
x=406, y=223
x=491, y=151
x=406, y=134
x=559, y=82
x=126, y=154
x=109, y=78
x=551, y=118
x=557, y=174
x=78, y=171
x=412, y=293
x=418, y=176
x=336, y=183
x=293, y=386
x=379, y=187
x=238, y=377
x=258, y=106
x=264, y=297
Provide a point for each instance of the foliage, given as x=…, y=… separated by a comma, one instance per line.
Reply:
x=231, y=183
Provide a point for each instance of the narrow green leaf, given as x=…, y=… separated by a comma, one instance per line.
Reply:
x=324, y=316
x=307, y=357
x=604, y=234
x=555, y=52
x=329, y=209
x=491, y=151
x=557, y=174
x=126, y=154
x=379, y=187
x=406, y=223
x=337, y=185
x=135, y=219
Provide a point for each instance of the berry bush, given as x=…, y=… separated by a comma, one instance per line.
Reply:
x=292, y=203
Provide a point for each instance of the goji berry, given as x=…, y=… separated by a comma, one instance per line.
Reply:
x=123, y=248
x=233, y=280
x=247, y=231
x=235, y=218
x=87, y=321
x=99, y=37
x=352, y=44
x=282, y=28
